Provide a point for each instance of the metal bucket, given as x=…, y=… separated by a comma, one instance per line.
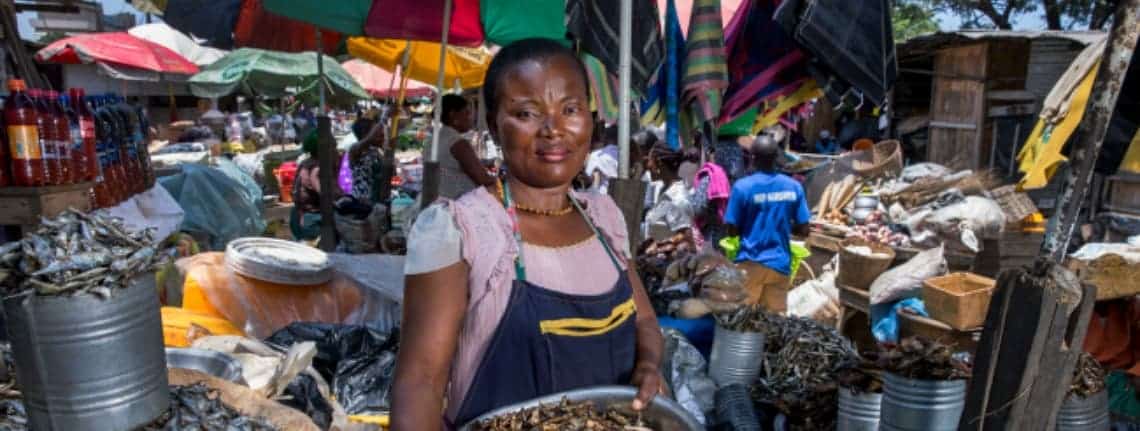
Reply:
x=1085, y=414
x=735, y=409
x=736, y=356
x=921, y=405
x=84, y=363
x=858, y=411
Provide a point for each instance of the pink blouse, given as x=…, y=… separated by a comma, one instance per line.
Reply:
x=477, y=229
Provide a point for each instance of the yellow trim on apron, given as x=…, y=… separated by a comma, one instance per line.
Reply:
x=579, y=327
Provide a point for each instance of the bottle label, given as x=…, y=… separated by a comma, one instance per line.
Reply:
x=24, y=142
x=49, y=148
x=76, y=138
x=87, y=128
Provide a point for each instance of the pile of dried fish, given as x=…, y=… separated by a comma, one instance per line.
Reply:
x=923, y=359
x=1088, y=376
x=864, y=376
x=564, y=416
x=12, y=415
x=802, y=361
x=76, y=253
x=197, y=407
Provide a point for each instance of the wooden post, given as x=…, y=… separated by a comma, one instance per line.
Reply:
x=1038, y=317
x=629, y=195
x=329, y=164
x=1090, y=136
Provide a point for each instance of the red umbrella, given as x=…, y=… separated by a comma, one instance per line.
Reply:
x=118, y=48
x=258, y=28
x=381, y=83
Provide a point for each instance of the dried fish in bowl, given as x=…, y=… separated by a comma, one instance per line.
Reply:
x=1088, y=376
x=77, y=253
x=565, y=416
x=197, y=407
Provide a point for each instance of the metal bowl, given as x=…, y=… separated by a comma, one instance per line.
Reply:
x=663, y=414
x=216, y=364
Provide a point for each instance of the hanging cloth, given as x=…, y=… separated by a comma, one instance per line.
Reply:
x=706, y=75
x=762, y=60
x=1041, y=155
x=602, y=87
x=595, y=24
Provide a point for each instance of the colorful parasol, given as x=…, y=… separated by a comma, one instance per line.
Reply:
x=381, y=83
x=463, y=65
x=387, y=19
x=275, y=74
x=116, y=49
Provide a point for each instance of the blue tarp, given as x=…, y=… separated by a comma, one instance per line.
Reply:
x=217, y=206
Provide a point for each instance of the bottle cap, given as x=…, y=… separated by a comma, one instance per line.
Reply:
x=17, y=85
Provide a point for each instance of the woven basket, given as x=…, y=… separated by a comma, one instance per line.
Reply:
x=858, y=271
x=884, y=160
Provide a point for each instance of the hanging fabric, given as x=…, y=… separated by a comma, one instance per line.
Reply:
x=602, y=97
x=595, y=24
x=706, y=75
x=674, y=56
x=763, y=61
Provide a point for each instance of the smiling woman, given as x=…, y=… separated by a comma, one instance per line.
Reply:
x=485, y=327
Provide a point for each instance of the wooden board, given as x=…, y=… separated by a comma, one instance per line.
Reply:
x=1112, y=275
x=24, y=206
x=957, y=108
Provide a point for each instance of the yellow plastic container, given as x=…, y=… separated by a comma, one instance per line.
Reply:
x=176, y=323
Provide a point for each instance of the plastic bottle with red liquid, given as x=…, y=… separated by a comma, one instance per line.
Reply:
x=119, y=167
x=5, y=160
x=78, y=157
x=134, y=144
x=47, y=137
x=22, y=126
x=104, y=194
x=143, y=129
x=86, y=133
x=62, y=127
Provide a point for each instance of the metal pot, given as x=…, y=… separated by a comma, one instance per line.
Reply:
x=736, y=356
x=921, y=405
x=86, y=363
x=662, y=414
x=858, y=411
x=1085, y=414
x=216, y=364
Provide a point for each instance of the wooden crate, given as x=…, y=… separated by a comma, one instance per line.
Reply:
x=23, y=206
x=911, y=325
x=960, y=299
x=1122, y=194
x=1112, y=275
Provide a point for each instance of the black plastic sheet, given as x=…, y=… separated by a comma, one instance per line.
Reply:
x=357, y=360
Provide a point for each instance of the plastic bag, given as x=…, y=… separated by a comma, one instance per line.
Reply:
x=216, y=206
x=816, y=299
x=967, y=220
x=905, y=281
x=687, y=376
x=258, y=307
x=885, y=318
x=359, y=361
x=918, y=171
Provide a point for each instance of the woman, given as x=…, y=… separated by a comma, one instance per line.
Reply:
x=486, y=325
x=364, y=160
x=711, y=189
x=305, y=217
x=459, y=166
x=672, y=209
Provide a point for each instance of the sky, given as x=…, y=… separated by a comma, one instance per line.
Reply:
x=946, y=22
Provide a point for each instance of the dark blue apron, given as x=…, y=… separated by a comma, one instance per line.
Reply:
x=549, y=342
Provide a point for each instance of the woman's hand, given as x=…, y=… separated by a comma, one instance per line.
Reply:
x=649, y=382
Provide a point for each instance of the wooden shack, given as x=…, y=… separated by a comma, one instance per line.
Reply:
x=978, y=92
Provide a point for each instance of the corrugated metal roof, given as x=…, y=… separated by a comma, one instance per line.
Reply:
x=924, y=45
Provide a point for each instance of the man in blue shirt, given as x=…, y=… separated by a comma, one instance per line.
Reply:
x=764, y=209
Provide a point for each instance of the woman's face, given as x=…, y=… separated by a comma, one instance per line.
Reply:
x=543, y=121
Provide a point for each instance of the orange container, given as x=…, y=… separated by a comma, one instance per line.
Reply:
x=960, y=299
x=285, y=174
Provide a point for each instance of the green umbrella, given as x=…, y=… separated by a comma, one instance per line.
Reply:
x=275, y=74
x=344, y=16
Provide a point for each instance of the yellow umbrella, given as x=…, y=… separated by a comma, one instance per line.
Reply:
x=465, y=65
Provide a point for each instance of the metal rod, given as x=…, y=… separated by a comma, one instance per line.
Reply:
x=438, y=114
x=326, y=150
x=1106, y=89
x=625, y=53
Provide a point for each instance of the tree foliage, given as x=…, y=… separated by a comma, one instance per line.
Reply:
x=1057, y=14
x=910, y=19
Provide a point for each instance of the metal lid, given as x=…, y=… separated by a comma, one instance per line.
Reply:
x=278, y=261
